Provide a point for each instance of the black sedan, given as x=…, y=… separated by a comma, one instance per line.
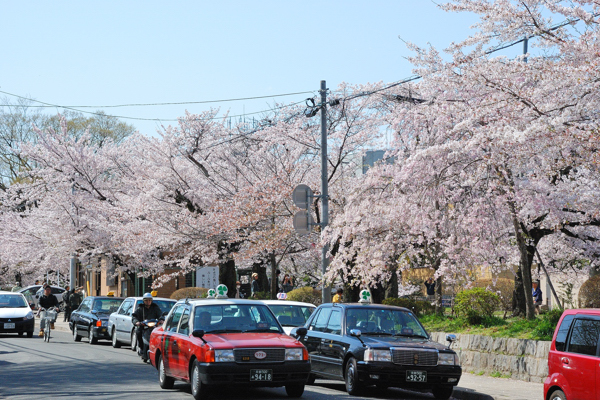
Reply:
x=371, y=344
x=91, y=318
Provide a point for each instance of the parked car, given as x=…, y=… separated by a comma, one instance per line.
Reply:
x=215, y=342
x=372, y=344
x=15, y=314
x=290, y=314
x=120, y=326
x=36, y=291
x=574, y=359
x=91, y=318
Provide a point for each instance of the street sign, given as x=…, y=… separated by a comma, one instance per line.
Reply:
x=303, y=222
x=302, y=196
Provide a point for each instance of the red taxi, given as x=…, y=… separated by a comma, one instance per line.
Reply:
x=223, y=342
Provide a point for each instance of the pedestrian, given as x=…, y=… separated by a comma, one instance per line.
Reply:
x=238, y=293
x=65, y=300
x=430, y=285
x=47, y=301
x=536, y=292
x=287, y=284
x=255, y=285
x=75, y=299
x=338, y=295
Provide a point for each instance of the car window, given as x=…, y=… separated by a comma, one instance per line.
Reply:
x=291, y=315
x=311, y=327
x=12, y=301
x=173, y=321
x=584, y=337
x=106, y=305
x=322, y=318
x=563, y=331
x=55, y=290
x=388, y=321
x=164, y=305
x=85, y=305
x=335, y=322
x=233, y=318
x=184, y=325
x=125, y=307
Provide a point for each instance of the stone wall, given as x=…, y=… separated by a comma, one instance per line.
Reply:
x=522, y=359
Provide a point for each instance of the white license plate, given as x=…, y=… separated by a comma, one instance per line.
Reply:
x=9, y=326
x=257, y=375
x=416, y=376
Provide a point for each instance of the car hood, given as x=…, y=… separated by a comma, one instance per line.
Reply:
x=14, y=312
x=399, y=341
x=258, y=339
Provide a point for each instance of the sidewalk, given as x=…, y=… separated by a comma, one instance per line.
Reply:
x=59, y=325
x=470, y=387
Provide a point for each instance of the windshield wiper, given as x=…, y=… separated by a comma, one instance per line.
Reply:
x=411, y=335
x=260, y=330
x=377, y=333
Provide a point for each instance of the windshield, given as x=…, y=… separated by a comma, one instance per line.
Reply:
x=230, y=318
x=106, y=305
x=165, y=306
x=12, y=301
x=289, y=315
x=373, y=321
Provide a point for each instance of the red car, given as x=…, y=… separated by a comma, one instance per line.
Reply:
x=573, y=361
x=215, y=342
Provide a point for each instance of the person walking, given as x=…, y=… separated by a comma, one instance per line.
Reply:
x=287, y=284
x=255, y=285
x=75, y=299
x=238, y=293
x=430, y=286
x=65, y=300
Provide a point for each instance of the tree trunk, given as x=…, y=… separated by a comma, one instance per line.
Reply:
x=439, y=308
x=391, y=289
x=273, y=276
x=227, y=272
x=518, y=301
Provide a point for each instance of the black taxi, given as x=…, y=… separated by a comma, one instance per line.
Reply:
x=372, y=344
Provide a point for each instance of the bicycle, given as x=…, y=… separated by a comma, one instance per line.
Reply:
x=49, y=319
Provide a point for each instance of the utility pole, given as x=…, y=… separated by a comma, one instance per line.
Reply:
x=324, y=188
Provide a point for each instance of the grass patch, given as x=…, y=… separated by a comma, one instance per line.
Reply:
x=540, y=328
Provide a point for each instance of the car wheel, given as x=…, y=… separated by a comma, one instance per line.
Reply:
x=133, y=341
x=311, y=379
x=199, y=391
x=20, y=333
x=76, y=336
x=115, y=343
x=294, y=390
x=557, y=395
x=442, y=392
x=166, y=382
x=353, y=385
x=91, y=338
x=30, y=334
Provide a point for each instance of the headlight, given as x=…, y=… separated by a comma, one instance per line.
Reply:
x=224, y=356
x=28, y=316
x=448, y=359
x=378, y=355
x=293, y=354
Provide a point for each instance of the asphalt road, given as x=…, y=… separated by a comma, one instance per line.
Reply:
x=64, y=369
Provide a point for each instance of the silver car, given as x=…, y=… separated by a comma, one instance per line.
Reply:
x=120, y=325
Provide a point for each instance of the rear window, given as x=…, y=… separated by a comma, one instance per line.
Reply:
x=563, y=331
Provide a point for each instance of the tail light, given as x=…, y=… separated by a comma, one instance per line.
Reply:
x=98, y=323
x=305, y=354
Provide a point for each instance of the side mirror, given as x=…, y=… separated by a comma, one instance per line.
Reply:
x=199, y=333
x=302, y=331
x=355, y=332
x=451, y=339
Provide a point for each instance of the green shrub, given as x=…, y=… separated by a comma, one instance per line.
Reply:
x=503, y=287
x=306, y=294
x=189, y=293
x=261, y=296
x=544, y=329
x=419, y=307
x=475, y=304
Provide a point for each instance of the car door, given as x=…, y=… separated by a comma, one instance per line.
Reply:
x=169, y=344
x=332, y=346
x=121, y=328
x=82, y=317
x=580, y=363
x=315, y=336
x=181, y=343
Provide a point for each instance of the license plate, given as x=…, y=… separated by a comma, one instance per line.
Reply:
x=9, y=326
x=257, y=375
x=416, y=376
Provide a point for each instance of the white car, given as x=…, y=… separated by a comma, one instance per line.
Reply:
x=15, y=314
x=56, y=290
x=290, y=314
x=120, y=326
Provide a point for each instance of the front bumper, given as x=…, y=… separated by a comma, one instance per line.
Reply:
x=20, y=325
x=394, y=375
x=289, y=372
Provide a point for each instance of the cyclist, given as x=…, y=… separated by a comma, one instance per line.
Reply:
x=47, y=301
x=146, y=310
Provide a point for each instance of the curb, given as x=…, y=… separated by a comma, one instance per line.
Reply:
x=469, y=394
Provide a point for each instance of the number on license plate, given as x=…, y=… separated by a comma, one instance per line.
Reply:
x=261, y=375
x=416, y=376
x=9, y=326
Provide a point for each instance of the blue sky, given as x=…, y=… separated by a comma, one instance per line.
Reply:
x=121, y=52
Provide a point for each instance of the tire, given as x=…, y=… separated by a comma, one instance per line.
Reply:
x=115, y=343
x=133, y=341
x=47, y=334
x=166, y=382
x=91, y=338
x=294, y=390
x=557, y=395
x=353, y=385
x=21, y=333
x=311, y=379
x=199, y=391
x=76, y=336
x=442, y=392
x=30, y=334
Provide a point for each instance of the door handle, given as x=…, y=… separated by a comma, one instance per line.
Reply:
x=565, y=360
